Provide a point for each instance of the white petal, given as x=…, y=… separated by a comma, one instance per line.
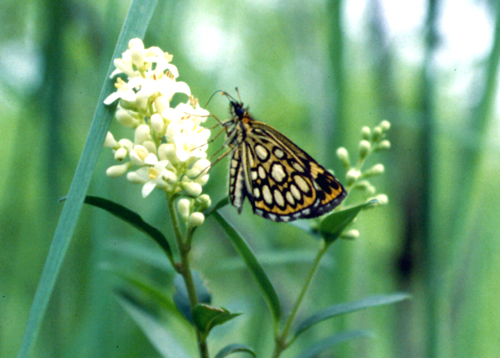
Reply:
x=111, y=98
x=148, y=188
x=129, y=96
x=182, y=87
x=151, y=159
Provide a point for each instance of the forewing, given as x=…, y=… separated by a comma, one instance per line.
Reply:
x=283, y=182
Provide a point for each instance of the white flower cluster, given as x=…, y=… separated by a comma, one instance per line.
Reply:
x=169, y=147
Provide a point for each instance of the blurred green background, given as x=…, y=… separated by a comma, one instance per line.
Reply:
x=317, y=71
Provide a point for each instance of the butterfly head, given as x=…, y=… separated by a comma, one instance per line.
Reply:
x=236, y=107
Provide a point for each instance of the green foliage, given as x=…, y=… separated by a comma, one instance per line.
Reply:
x=334, y=224
x=253, y=265
x=206, y=317
x=133, y=219
x=235, y=348
x=345, y=308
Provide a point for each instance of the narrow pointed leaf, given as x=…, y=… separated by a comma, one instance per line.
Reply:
x=147, y=289
x=135, y=25
x=333, y=225
x=235, y=348
x=348, y=308
x=253, y=265
x=330, y=342
x=206, y=317
x=133, y=219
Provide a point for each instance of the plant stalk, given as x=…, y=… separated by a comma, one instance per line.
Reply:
x=281, y=343
x=185, y=271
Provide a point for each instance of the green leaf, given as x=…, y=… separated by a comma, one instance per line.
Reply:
x=133, y=219
x=166, y=337
x=135, y=25
x=206, y=317
x=348, y=308
x=253, y=265
x=219, y=205
x=328, y=343
x=333, y=225
x=235, y=348
x=148, y=289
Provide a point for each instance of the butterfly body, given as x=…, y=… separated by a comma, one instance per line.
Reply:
x=281, y=181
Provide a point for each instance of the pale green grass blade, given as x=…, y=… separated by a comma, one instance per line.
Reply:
x=135, y=25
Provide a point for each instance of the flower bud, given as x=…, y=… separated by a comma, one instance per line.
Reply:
x=192, y=189
x=196, y=219
x=137, y=56
x=364, y=149
x=157, y=123
x=343, y=155
x=350, y=234
x=202, y=165
x=167, y=151
x=385, y=144
x=352, y=175
x=142, y=134
x=150, y=146
x=204, y=201
x=385, y=125
x=135, y=43
x=134, y=178
x=377, y=134
x=126, y=143
x=170, y=177
x=121, y=153
x=366, y=133
x=110, y=141
x=383, y=199
x=183, y=207
x=366, y=186
x=377, y=169
x=126, y=119
x=202, y=179
x=117, y=170
x=160, y=104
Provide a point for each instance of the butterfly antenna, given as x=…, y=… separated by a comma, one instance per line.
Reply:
x=212, y=96
x=237, y=91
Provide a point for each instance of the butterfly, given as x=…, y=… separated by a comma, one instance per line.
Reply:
x=281, y=181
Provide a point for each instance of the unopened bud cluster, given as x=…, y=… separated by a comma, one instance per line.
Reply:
x=372, y=140
x=168, y=149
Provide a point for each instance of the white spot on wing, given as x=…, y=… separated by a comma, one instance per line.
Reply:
x=256, y=193
x=278, y=172
x=262, y=172
x=262, y=152
x=278, y=197
x=278, y=152
x=301, y=183
x=266, y=192
x=296, y=192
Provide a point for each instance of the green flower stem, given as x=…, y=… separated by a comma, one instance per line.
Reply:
x=184, y=270
x=281, y=343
